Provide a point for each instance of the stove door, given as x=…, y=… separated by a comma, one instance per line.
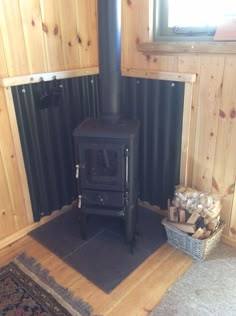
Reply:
x=102, y=166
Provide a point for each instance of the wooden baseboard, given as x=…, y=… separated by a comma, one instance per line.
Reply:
x=21, y=233
x=228, y=241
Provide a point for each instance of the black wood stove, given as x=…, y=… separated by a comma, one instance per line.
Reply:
x=107, y=148
x=107, y=170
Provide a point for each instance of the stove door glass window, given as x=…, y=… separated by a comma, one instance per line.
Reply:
x=101, y=166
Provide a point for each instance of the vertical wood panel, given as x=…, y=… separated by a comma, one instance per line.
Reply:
x=186, y=132
x=69, y=34
x=191, y=64
x=52, y=35
x=7, y=223
x=232, y=231
x=33, y=35
x=209, y=98
x=40, y=36
x=19, y=155
x=3, y=64
x=225, y=158
x=13, y=38
x=11, y=168
x=161, y=63
x=169, y=63
x=135, y=29
x=87, y=32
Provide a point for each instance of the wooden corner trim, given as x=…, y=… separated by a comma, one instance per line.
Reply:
x=48, y=76
x=159, y=75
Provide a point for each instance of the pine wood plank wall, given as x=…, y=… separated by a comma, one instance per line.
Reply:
x=36, y=36
x=214, y=105
x=12, y=205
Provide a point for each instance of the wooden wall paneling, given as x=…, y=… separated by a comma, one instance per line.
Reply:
x=9, y=159
x=224, y=174
x=191, y=64
x=124, y=35
x=24, y=231
x=33, y=35
x=69, y=34
x=3, y=64
x=27, y=210
x=185, y=177
x=87, y=32
x=169, y=63
x=209, y=99
x=152, y=62
x=7, y=222
x=160, y=62
x=135, y=29
x=52, y=35
x=232, y=231
x=13, y=38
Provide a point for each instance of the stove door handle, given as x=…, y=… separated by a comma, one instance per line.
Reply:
x=126, y=166
x=77, y=171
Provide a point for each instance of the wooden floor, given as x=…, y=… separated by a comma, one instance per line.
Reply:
x=137, y=295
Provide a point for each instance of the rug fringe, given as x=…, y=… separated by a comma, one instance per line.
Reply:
x=43, y=274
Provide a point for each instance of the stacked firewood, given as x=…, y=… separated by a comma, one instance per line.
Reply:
x=194, y=212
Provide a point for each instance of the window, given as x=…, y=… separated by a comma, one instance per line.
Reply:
x=190, y=19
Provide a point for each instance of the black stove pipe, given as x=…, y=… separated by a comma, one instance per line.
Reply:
x=109, y=21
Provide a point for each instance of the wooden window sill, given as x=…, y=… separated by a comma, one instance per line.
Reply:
x=155, y=48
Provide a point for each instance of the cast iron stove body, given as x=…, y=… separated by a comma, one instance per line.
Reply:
x=107, y=170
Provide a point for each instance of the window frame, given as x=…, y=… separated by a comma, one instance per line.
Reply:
x=162, y=32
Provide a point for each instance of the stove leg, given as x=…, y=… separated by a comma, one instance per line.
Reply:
x=130, y=223
x=83, y=226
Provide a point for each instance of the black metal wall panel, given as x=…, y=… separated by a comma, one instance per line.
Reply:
x=46, y=115
x=159, y=107
x=46, y=124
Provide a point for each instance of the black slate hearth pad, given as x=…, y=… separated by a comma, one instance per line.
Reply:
x=103, y=258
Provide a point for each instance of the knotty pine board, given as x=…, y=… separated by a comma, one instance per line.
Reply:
x=209, y=99
x=12, y=205
x=52, y=35
x=13, y=37
x=224, y=174
x=232, y=231
x=70, y=43
x=33, y=35
x=3, y=64
x=87, y=32
x=38, y=36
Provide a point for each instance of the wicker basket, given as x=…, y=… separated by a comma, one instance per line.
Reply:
x=196, y=248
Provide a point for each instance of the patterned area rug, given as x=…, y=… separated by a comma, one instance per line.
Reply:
x=31, y=292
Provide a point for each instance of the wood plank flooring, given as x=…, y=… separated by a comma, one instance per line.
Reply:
x=137, y=295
